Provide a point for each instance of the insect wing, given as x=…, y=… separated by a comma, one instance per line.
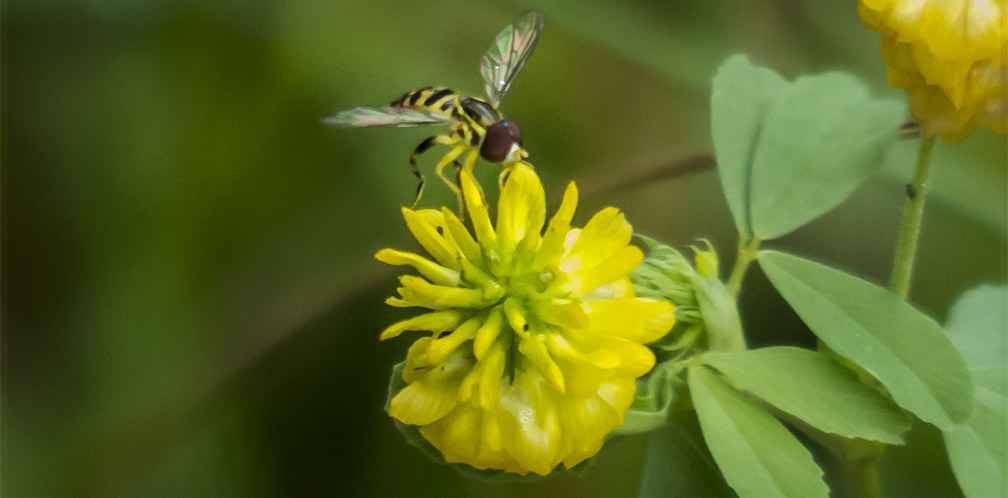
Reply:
x=508, y=53
x=387, y=116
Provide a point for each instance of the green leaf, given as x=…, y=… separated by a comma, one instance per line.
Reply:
x=978, y=451
x=823, y=137
x=897, y=344
x=678, y=464
x=720, y=315
x=813, y=388
x=655, y=394
x=742, y=95
x=789, y=152
x=755, y=452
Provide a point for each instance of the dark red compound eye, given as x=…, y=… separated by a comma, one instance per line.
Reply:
x=498, y=140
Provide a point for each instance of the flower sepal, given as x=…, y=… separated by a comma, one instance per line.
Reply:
x=656, y=393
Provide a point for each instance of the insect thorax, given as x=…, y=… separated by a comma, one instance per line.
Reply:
x=479, y=111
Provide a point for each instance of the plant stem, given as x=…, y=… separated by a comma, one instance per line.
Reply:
x=863, y=475
x=748, y=249
x=861, y=466
x=906, y=247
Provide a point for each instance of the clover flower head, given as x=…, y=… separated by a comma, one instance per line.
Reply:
x=537, y=336
x=951, y=56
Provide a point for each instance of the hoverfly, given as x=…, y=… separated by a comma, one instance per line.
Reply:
x=476, y=125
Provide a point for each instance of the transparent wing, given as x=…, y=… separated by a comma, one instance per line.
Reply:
x=387, y=116
x=508, y=53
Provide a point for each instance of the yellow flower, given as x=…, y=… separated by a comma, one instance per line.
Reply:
x=537, y=336
x=951, y=56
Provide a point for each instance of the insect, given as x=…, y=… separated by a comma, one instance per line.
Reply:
x=477, y=128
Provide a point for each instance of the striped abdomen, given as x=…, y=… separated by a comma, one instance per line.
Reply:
x=440, y=100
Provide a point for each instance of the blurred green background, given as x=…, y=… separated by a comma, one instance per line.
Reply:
x=190, y=302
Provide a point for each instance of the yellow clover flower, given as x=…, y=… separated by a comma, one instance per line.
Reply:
x=537, y=337
x=951, y=56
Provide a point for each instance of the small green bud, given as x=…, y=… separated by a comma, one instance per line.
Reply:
x=701, y=299
x=706, y=260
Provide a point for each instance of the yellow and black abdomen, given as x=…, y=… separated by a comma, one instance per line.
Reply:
x=441, y=100
x=469, y=127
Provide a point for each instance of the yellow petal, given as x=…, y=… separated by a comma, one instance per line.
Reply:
x=427, y=226
x=432, y=396
x=484, y=381
x=553, y=241
x=474, y=437
x=615, y=290
x=470, y=249
x=603, y=235
x=533, y=411
x=423, y=293
x=534, y=349
x=603, y=352
x=582, y=379
x=399, y=302
x=447, y=343
x=950, y=57
x=435, y=321
x=516, y=317
x=636, y=319
x=476, y=206
x=476, y=276
x=592, y=419
x=597, y=357
x=429, y=269
x=935, y=111
x=566, y=314
x=521, y=208
x=616, y=268
x=618, y=393
x=488, y=332
x=417, y=361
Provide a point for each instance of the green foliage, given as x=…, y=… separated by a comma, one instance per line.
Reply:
x=720, y=316
x=655, y=394
x=755, y=452
x=881, y=333
x=741, y=97
x=815, y=389
x=789, y=152
x=677, y=463
x=192, y=303
x=666, y=274
x=978, y=450
x=703, y=305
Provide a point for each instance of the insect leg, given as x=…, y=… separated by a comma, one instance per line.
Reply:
x=471, y=160
x=502, y=177
x=461, y=198
x=449, y=158
x=509, y=163
x=420, y=149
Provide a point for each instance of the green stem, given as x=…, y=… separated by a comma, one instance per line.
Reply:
x=906, y=247
x=748, y=249
x=862, y=467
x=863, y=475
